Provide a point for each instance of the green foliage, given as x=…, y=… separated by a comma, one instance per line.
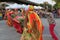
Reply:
x=57, y=5
x=57, y=1
x=42, y=5
x=46, y=5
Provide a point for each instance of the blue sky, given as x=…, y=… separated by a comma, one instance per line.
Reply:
x=41, y=1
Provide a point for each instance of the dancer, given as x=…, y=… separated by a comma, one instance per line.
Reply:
x=52, y=25
x=9, y=20
x=18, y=22
x=33, y=29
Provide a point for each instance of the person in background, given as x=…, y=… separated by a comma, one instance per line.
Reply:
x=3, y=13
x=16, y=11
x=5, y=16
x=41, y=13
x=58, y=12
x=54, y=13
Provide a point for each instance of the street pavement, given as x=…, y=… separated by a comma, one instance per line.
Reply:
x=46, y=33
x=9, y=33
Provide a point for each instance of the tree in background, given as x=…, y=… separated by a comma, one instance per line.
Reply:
x=57, y=5
x=57, y=1
x=46, y=5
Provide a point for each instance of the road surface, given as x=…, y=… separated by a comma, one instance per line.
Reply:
x=9, y=33
x=46, y=33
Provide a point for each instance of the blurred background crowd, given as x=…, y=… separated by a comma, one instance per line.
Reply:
x=55, y=10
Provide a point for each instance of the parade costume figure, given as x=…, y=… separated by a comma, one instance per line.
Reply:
x=52, y=25
x=9, y=20
x=18, y=24
x=34, y=28
x=18, y=21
